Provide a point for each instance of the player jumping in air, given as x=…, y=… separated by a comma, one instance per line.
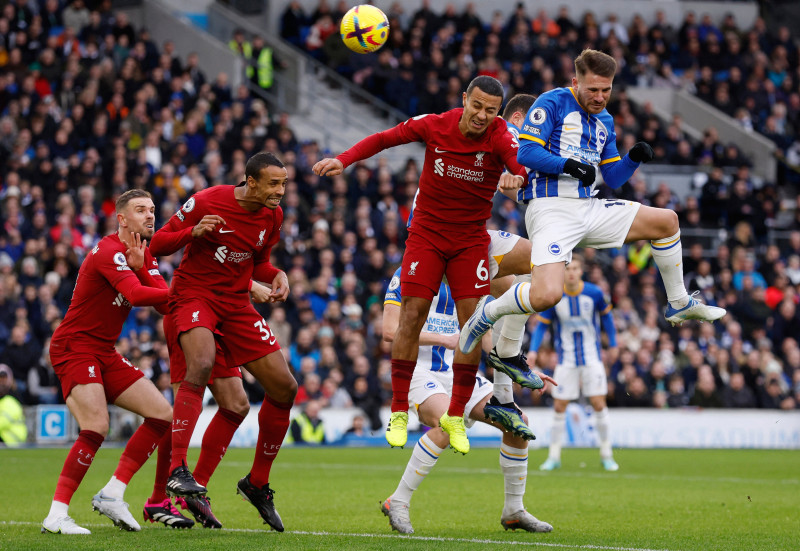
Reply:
x=566, y=137
x=466, y=150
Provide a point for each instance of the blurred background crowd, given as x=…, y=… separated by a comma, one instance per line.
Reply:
x=90, y=107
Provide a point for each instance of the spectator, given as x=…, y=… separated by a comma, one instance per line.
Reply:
x=737, y=394
x=13, y=430
x=307, y=427
x=705, y=393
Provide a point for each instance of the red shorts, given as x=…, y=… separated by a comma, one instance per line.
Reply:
x=81, y=367
x=177, y=361
x=462, y=256
x=242, y=332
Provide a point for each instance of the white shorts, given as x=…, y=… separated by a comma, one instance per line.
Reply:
x=556, y=225
x=426, y=383
x=500, y=245
x=572, y=381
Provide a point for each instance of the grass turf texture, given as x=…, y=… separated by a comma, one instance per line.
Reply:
x=329, y=499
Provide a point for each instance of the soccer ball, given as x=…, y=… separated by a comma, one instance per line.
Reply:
x=364, y=29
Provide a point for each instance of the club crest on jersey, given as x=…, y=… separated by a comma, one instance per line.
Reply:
x=261, y=238
x=554, y=248
x=479, y=158
x=91, y=371
x=601, y=137
x=413, y=270
x=538, y=116
x=196, y=316
x=430, y=384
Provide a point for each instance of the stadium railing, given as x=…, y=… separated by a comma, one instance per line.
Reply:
x=698, y=115
x=324, y=105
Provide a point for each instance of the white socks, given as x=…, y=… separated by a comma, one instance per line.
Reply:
x=422, y=461
x=668, y=256
x=517, y=300
x=115, y=488
x=514, y=464
x=57, y=510
x=603, y=433
x=557, y=435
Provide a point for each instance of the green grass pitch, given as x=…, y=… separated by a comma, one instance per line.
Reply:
x=329, y=499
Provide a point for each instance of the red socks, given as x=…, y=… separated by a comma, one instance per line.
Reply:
x=215, y=443
x=162, y=468
x=187, y=408
x=140, y=446
x=463, y=384
x=77, y=463
x=273, y=422
x=402, y=370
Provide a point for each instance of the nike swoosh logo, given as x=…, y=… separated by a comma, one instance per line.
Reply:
x=226, y=231
x=437, y=150
x=579, y=170
x=570, y=127
x=177, y=430
x=272, y=341
x=479, y=286
x=86, y=464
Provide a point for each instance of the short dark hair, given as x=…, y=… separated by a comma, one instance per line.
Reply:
x=128, y=196
x=488, y=85
x=593, y=61
x=520, y=102
x=259, y=162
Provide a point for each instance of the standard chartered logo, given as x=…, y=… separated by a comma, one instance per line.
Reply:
x=438, y=167
x=221, y=253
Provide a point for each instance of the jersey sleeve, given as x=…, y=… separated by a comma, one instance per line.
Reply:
x=113, y=267
x=393, y=295
x=535, y=133
x=177, y=232
x=540, y=120
x=412, y=130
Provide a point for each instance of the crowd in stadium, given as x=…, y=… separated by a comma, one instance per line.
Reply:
x=91, y=107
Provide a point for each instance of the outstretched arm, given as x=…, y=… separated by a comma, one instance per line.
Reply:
x=371, y=145
x=174, y=235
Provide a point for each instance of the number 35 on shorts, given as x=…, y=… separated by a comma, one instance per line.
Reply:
x=266, y=334
x=483, y=274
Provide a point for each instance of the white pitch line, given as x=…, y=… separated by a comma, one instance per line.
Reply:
x=392, y=536
x=466, y=470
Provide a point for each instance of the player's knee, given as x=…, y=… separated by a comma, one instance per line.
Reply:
x=670, y=224
x=164, y=412
x=241, y=407
x=287, y=392
x=96, y=423
x=545, y=297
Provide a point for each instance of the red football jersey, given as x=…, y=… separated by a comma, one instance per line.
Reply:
x=459, y=176
x=221, y=263
x=98, y=308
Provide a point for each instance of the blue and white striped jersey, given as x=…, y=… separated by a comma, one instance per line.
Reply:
x=442, y=319
x=576, y=326
x=559, y=124
x=513, y=129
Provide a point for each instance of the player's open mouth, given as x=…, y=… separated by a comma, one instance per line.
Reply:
x=477, y=124
x=274, y=200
